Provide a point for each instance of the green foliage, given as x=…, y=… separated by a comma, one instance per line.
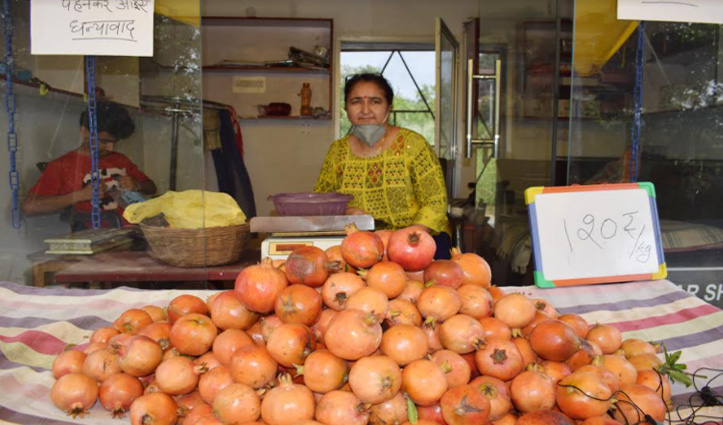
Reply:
x=421, y=122
x=674, y=370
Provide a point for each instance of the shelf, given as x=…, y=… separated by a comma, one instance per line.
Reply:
x=280, y=69
x=266, y=22
x=286, y=118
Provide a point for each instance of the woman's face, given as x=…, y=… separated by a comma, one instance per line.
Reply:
x=366, y=104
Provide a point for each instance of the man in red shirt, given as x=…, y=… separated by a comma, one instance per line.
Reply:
x=66, y=181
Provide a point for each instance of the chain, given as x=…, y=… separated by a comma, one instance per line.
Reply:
x=12, y=139
x=637, y=104
x=93, y=141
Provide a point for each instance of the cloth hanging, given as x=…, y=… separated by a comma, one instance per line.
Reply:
x=231, y=173
x=211, y=129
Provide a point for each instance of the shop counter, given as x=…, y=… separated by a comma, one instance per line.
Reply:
x=37, y=323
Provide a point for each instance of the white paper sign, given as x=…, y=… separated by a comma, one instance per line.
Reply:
x=701, y=11
x=595, y=234
x=92, y=27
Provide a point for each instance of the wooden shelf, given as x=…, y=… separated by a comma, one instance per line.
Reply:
x=281, y=69
x=287, y=118
x=266, y=22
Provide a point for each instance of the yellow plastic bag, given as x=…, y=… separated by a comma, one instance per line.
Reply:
x=190, y=209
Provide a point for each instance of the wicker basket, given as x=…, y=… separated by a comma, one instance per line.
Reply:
x=212, y=246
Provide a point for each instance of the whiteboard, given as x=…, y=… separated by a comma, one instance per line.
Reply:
x=595, y=234
x=700, y=11
x=91, y=27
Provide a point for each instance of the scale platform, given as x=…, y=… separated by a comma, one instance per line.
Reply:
x=289, y=233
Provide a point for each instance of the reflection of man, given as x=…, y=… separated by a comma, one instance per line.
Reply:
x=66, y=180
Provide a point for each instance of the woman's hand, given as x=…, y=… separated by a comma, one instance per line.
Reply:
x=354, y=211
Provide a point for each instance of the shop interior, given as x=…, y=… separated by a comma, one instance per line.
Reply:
x=527, y=93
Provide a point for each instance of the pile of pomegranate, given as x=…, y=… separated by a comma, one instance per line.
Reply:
x=372, y=331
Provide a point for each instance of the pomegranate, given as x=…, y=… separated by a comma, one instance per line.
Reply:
x=339, y=287
x=577, y=322
x=412, y=291
x=607, y=337
x=101, y=364
x=461, y=334
x=476, y=301
x=132, y=321
x=213, y=381
x=193, y=334
x=159, y=332
x=401, y=312
x=291, y=344
x=404, y=344
x=499, y=358
x=70, y=361
x=456, y=370
x=253, y=365
x=227, y=343
x=495, y=328
x=515, y=310
x=412, y=248
x=424, y=382
x=178, y=375
x=465, y=405
x=103, y=334
x=375, y=379
x=438, y=303
x=369, y=300
x=227, y=312
x=322, y=325
x=154, y=409
x=361, y=249
x=498, y=394
x=635, y=346
x=544, y=417
x=257, y=287
x=386, y=276
x=582, y=395
x=140, y=356
x=237, y=404
x=353, y=334
x=308, y=265
x=157, y=313
x=287, y=403
x=546, y=307
x=341, y=408
x=298, y=304
x=337, y=261
x=475, y=270
x=390, y=412
x=531, y=390
x=185, y=304
x=554, y=340
x=324, y=372
x=444, y=273
x=384, y=235
x=117, y=393
x=74, y=393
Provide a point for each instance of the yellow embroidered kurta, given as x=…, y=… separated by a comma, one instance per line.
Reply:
x=401, y=186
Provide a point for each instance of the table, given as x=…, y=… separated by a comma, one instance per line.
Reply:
x=139, y=266
x=37, y=323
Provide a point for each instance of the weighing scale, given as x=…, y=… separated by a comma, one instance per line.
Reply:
x=287, y=233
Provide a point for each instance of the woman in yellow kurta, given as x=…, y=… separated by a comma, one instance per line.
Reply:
x=392, y=172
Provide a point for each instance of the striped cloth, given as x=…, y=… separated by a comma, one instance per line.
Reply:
x=37, y=323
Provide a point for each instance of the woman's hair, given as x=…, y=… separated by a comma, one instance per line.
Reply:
x=377, y=79
x=112, y=118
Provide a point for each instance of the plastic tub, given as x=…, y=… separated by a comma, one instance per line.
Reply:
x=310, y=203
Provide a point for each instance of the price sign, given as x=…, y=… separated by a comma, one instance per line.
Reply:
x=92, y=27
x=595, y=234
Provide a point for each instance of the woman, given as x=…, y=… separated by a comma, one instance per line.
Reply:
x=392, y=172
